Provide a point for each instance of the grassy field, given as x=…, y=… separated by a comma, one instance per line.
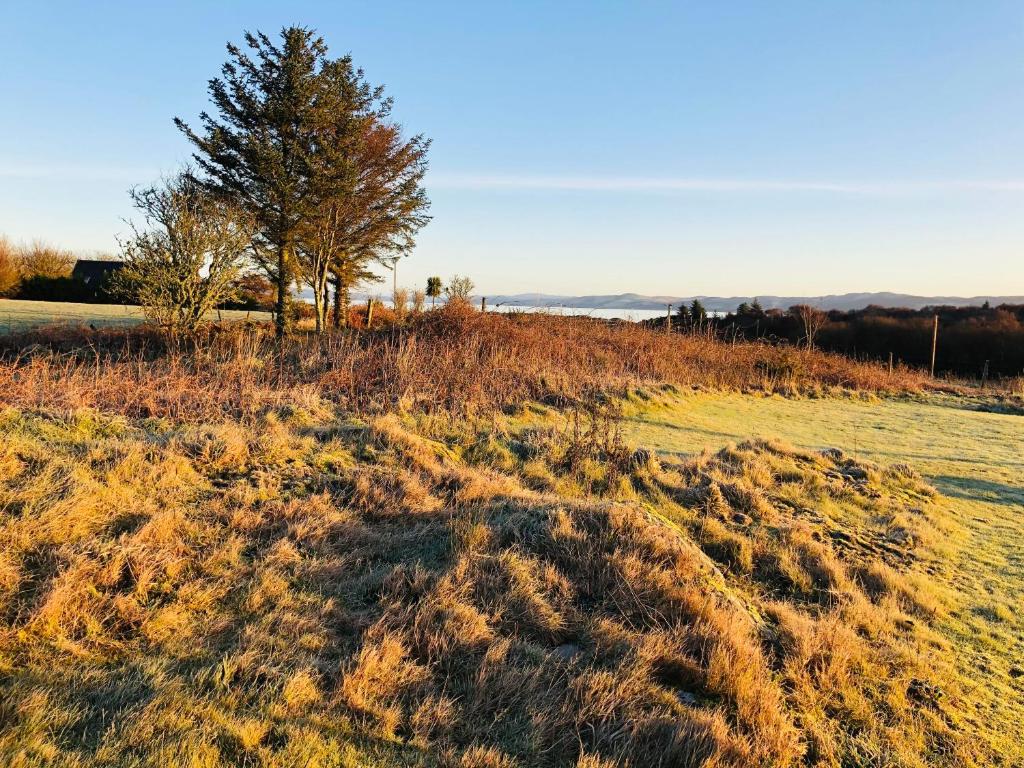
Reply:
x=975, y=458
x=313, y=589
x=460, y=546
x=16, y=315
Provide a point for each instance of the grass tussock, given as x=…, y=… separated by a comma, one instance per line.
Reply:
x=306, y=590
x=453, y=360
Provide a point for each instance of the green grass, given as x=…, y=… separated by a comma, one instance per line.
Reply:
x=16, y=315
x=975, y=458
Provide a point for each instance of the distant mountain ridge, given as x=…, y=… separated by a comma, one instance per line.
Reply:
x=844, y=301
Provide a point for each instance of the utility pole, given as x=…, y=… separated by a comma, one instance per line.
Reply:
x=394, y=274
x=935, y=340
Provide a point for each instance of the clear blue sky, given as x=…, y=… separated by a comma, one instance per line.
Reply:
x=590, y=147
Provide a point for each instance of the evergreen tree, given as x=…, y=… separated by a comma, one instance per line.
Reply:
x=697, y=312
x=262, y=147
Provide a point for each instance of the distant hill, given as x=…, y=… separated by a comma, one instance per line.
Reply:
x=728, y=303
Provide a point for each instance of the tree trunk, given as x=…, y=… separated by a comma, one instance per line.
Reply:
x=326, y=301
x=281, y=318
x=337, y=302
x=318, y=309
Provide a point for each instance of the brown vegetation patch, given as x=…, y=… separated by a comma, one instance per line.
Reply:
x=453, y=360
x=364, y=585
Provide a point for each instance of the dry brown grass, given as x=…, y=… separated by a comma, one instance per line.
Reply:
x=451, y=360
x=340, y=552
x=311, y=590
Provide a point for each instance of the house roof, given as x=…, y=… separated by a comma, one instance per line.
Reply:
x=89, y=270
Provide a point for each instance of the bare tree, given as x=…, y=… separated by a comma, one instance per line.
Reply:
x=400, y=302
x=320, y=250
x=458, y=289
x=189, y=257
x=42, y=260
x=419, y=298
x=812, y=319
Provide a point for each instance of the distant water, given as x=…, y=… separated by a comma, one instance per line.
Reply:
x=632, y=315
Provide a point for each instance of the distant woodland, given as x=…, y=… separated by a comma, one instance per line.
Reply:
x=972, y=342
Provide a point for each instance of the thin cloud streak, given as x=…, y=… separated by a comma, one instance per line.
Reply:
x=625, y=184
x=656, y=184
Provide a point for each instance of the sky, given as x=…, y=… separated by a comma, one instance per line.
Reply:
x=721, y=148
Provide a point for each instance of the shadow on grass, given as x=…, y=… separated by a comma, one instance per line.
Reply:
x=977, y=489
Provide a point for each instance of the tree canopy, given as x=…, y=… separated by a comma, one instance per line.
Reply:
x=304, y=144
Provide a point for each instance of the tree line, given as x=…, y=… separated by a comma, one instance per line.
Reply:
x=38, y=271
x=971, y=341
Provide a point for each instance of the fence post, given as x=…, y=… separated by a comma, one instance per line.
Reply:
x=935, y=340
x=890, y=363
x=369, y=312
x=668, y=319
x=483, y=303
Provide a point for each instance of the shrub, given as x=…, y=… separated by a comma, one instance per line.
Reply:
x=42, y=288
x=10, y=269
x=189, y=260
x=253, y=292
x=42, y=260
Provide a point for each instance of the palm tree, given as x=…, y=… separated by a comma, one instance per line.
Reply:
x=433, y=289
